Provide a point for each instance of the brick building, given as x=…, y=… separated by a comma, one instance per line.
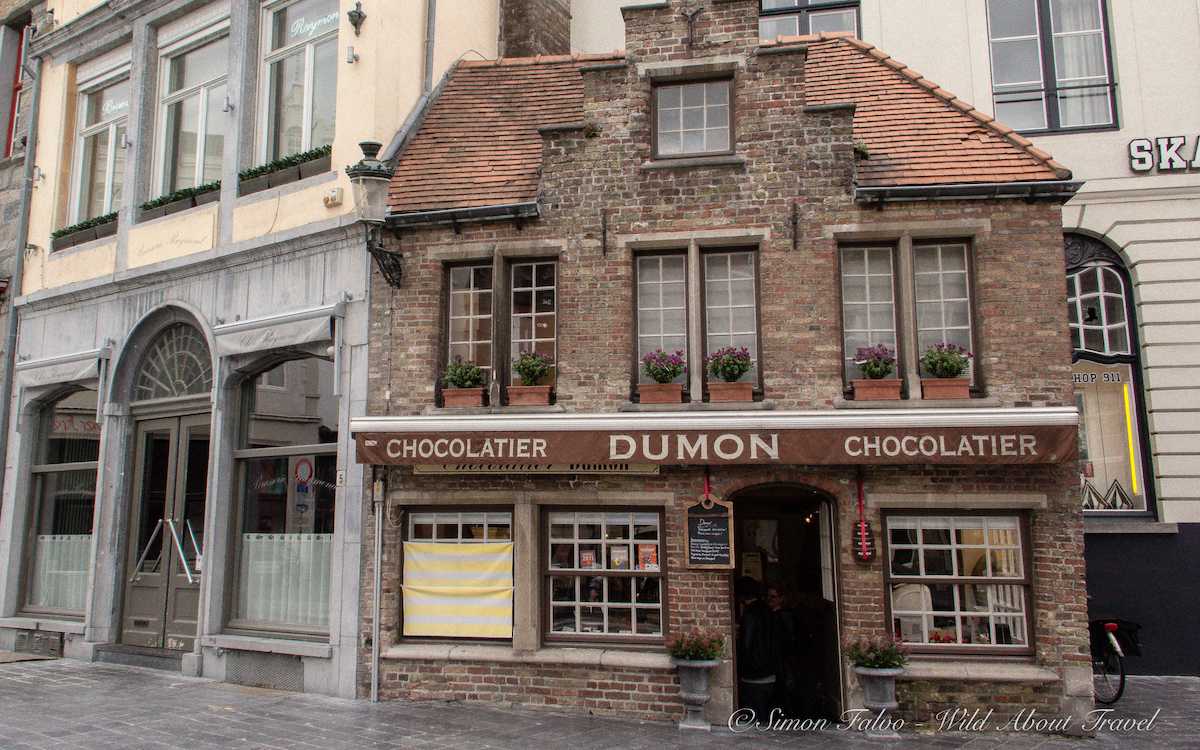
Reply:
x=800, y=198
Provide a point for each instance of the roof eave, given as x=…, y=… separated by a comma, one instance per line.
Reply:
x=507, y=211
x=1040, y=190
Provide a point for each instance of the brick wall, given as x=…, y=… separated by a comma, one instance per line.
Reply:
x=535, y=27
x=792, y=156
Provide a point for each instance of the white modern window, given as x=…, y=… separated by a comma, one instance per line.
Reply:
x=692, y=118
x=799, y=17
x=534, y=311
x=1051, y=65
x=943, y=295
x=868, y=302
x=604, y=574
x=299, y=76
x=287, y=471
x=661, y=306
x=731, y=305
x=192, y=116
x=100, y=150
x=956, y=581
x=470, y=330
x=64, y=501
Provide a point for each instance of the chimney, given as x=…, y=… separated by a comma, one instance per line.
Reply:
x=535, y=27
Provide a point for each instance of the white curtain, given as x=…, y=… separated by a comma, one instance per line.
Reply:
x=285, y=579
x=60, y=571
x=1080, y=61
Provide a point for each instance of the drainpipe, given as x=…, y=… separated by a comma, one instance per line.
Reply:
x=377, y=503
x=18, y=269
x=430, y=32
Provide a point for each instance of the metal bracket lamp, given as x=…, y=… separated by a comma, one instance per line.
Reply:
x=356, y=16
x=370, y=178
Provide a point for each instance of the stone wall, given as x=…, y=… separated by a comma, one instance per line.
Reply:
x=535, y=27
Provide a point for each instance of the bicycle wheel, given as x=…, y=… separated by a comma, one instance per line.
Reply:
x=1108, y=677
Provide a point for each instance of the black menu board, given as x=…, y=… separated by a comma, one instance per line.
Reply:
x=710, y=535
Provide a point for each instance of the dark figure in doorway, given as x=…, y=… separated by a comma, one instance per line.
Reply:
x=786, y=627
x=758, y=650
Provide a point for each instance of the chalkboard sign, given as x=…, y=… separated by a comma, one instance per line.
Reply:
x=710, y=535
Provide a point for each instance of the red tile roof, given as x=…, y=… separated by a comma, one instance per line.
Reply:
x=915, y=132
x=479, y=143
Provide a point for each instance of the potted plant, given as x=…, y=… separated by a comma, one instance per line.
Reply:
x=106, y=225
x=662, y=368
x=945, y=364
x=729, y=365
x=464, y=384
x=254, y=179
x=315, y=162
x=695, y=655
x=532, y=367
x=876, y=363
x=877, y=663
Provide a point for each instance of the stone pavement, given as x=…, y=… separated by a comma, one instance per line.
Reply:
x=72, y=704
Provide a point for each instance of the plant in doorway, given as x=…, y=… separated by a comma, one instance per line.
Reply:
x=464, y=384
x=695, y=654
x=876, y=363
x=945, y=364
x=532, y=367
x=878, y=662
x=662, y=368
x=729, y=365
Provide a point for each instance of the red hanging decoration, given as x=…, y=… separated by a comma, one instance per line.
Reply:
x=864, y=537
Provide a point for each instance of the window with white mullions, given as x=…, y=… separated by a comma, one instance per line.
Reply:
x=192, y=140
x=868, y=302
x=693, y=118
x=459, y=528
x=730, y=307
x=100, y=161
x=534, y=311
x=798, y=17
x=1050, y=64
x=942, y=296
x=1096, y=306
x=470, y=327
x=299, y=75
x=662, y=306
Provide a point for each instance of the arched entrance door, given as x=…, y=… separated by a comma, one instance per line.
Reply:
x=171, y=392
x=787, y=651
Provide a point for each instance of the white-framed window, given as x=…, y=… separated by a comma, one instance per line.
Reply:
x=731, y=305
x=692, y=118
x=799, y=17
x=13, y=42
x=299, y=76
x=1051, y=67
x=192, y=120
x=452, y=527
x=868, y=302
x=943, y=295
x=1096, y=306
x=604, y=573
x=662, y=305
x=534, y=311
x=470, y=315
x=100, y=148
x=956, y=581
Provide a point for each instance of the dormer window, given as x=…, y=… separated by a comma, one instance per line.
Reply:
x=692, y=119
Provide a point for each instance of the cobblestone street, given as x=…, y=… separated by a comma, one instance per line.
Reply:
x=71, y=704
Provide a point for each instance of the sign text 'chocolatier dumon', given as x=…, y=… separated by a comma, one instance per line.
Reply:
x=952, y=445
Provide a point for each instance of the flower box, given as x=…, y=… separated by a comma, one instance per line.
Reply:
x=660, y=393
x=728, y=392
x=876, y=389
x=938, y=389
x=284, y=176
x=457, y=397
x=317, y=166
x=528, y=395
x=257, y=184
x=208, y=196
x=175, y=207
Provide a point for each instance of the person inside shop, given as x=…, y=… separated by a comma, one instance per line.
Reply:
x=758, y=650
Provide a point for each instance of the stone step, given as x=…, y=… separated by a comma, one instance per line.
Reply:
x=140, y=656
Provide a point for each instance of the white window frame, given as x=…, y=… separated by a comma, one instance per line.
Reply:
x=179, y=48
x=516, y=344
x=267, y=57
x=489, y=518
x=82, y=133
x=1077, y=299
x=801, y=13
x=472, y=292
x=708, y=85
x=942, y=299
x=726, y=256
x=660, y=310
x=872, y=332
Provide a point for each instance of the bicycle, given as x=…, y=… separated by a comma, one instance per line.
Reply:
x=1111, y=640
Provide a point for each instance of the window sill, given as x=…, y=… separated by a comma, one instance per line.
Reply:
x=700, y=406
x=1125, y=525
x=599, y=656
x=696, y=162
x=550, y=409
x=919, y=403
x=35, y=622
x=265, y=645
x=978, y=671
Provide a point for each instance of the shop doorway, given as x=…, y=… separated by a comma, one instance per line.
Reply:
x=162, y=587
x=787, y=653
